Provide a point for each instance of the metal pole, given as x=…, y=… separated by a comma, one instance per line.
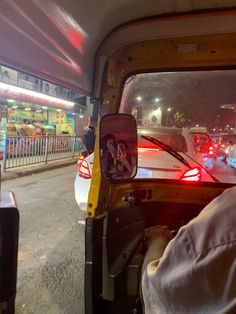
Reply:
x=235, y=121
x=73, y=152
x=46, y=149
x=4, y=152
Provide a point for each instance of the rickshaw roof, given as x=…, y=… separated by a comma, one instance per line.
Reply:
x=59, y=40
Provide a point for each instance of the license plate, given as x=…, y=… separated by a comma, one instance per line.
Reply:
x=144, y=173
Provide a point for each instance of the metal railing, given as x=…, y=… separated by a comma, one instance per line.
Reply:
x=27, y=150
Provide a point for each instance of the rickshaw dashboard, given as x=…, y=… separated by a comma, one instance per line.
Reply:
x=136, y=206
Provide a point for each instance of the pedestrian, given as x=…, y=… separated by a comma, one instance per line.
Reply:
x=89, y=139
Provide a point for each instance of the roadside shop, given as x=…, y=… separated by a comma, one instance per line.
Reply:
x=32, y=106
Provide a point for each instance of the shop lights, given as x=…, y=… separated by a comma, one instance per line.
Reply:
x=10, y=100
x=27, y=109
x=45, y=107
x=14, y=107
x=40, y=96
x=81, y=116
x=58, y=110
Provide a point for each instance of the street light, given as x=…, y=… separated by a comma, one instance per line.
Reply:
x=138, y=98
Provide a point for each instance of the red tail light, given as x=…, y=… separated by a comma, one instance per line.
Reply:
x=211, y=150
x=192, y=175
x=83, y=170
x=80, y=159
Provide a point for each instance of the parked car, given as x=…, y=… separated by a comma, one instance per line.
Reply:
x=153, y=162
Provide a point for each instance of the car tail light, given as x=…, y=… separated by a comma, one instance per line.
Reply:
x=82, y=156
x=80, y=159
x=211, y=150
x=192, y=175
x=83, y=170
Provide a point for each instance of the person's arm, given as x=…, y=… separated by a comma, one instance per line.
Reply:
x=157, y=238
x=123, y=158
x=128, y=165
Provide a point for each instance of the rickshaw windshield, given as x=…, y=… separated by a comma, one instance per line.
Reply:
x=183, y=109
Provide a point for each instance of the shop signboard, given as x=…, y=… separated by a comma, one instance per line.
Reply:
x=33, y=83
x=8, y=75
x=50, y=89
x=21, y=95
x=62, y=93
x=29, y=82
x=58, y=91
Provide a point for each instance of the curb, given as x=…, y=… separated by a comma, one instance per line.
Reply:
x=27, y=172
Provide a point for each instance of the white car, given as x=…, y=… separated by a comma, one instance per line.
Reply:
x=153, y=162
x=231, y=158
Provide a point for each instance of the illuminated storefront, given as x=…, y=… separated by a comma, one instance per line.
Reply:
x=25, y=99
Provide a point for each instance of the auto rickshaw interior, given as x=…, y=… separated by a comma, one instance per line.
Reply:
x=120, y=208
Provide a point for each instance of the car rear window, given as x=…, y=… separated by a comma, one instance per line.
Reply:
x=201, y=139
x=176, y=141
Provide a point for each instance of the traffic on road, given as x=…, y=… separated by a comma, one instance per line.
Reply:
x=195, y=144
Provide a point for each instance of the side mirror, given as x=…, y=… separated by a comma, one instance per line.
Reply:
x=118, y=146
x=9, y=230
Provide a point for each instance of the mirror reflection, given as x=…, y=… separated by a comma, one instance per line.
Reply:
x=118, y=146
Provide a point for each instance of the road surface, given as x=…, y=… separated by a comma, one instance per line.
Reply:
x=51, y=243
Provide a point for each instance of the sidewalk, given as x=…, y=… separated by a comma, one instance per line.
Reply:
x=21, y=171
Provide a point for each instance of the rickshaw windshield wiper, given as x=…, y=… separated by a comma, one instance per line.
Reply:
x=168, y=149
